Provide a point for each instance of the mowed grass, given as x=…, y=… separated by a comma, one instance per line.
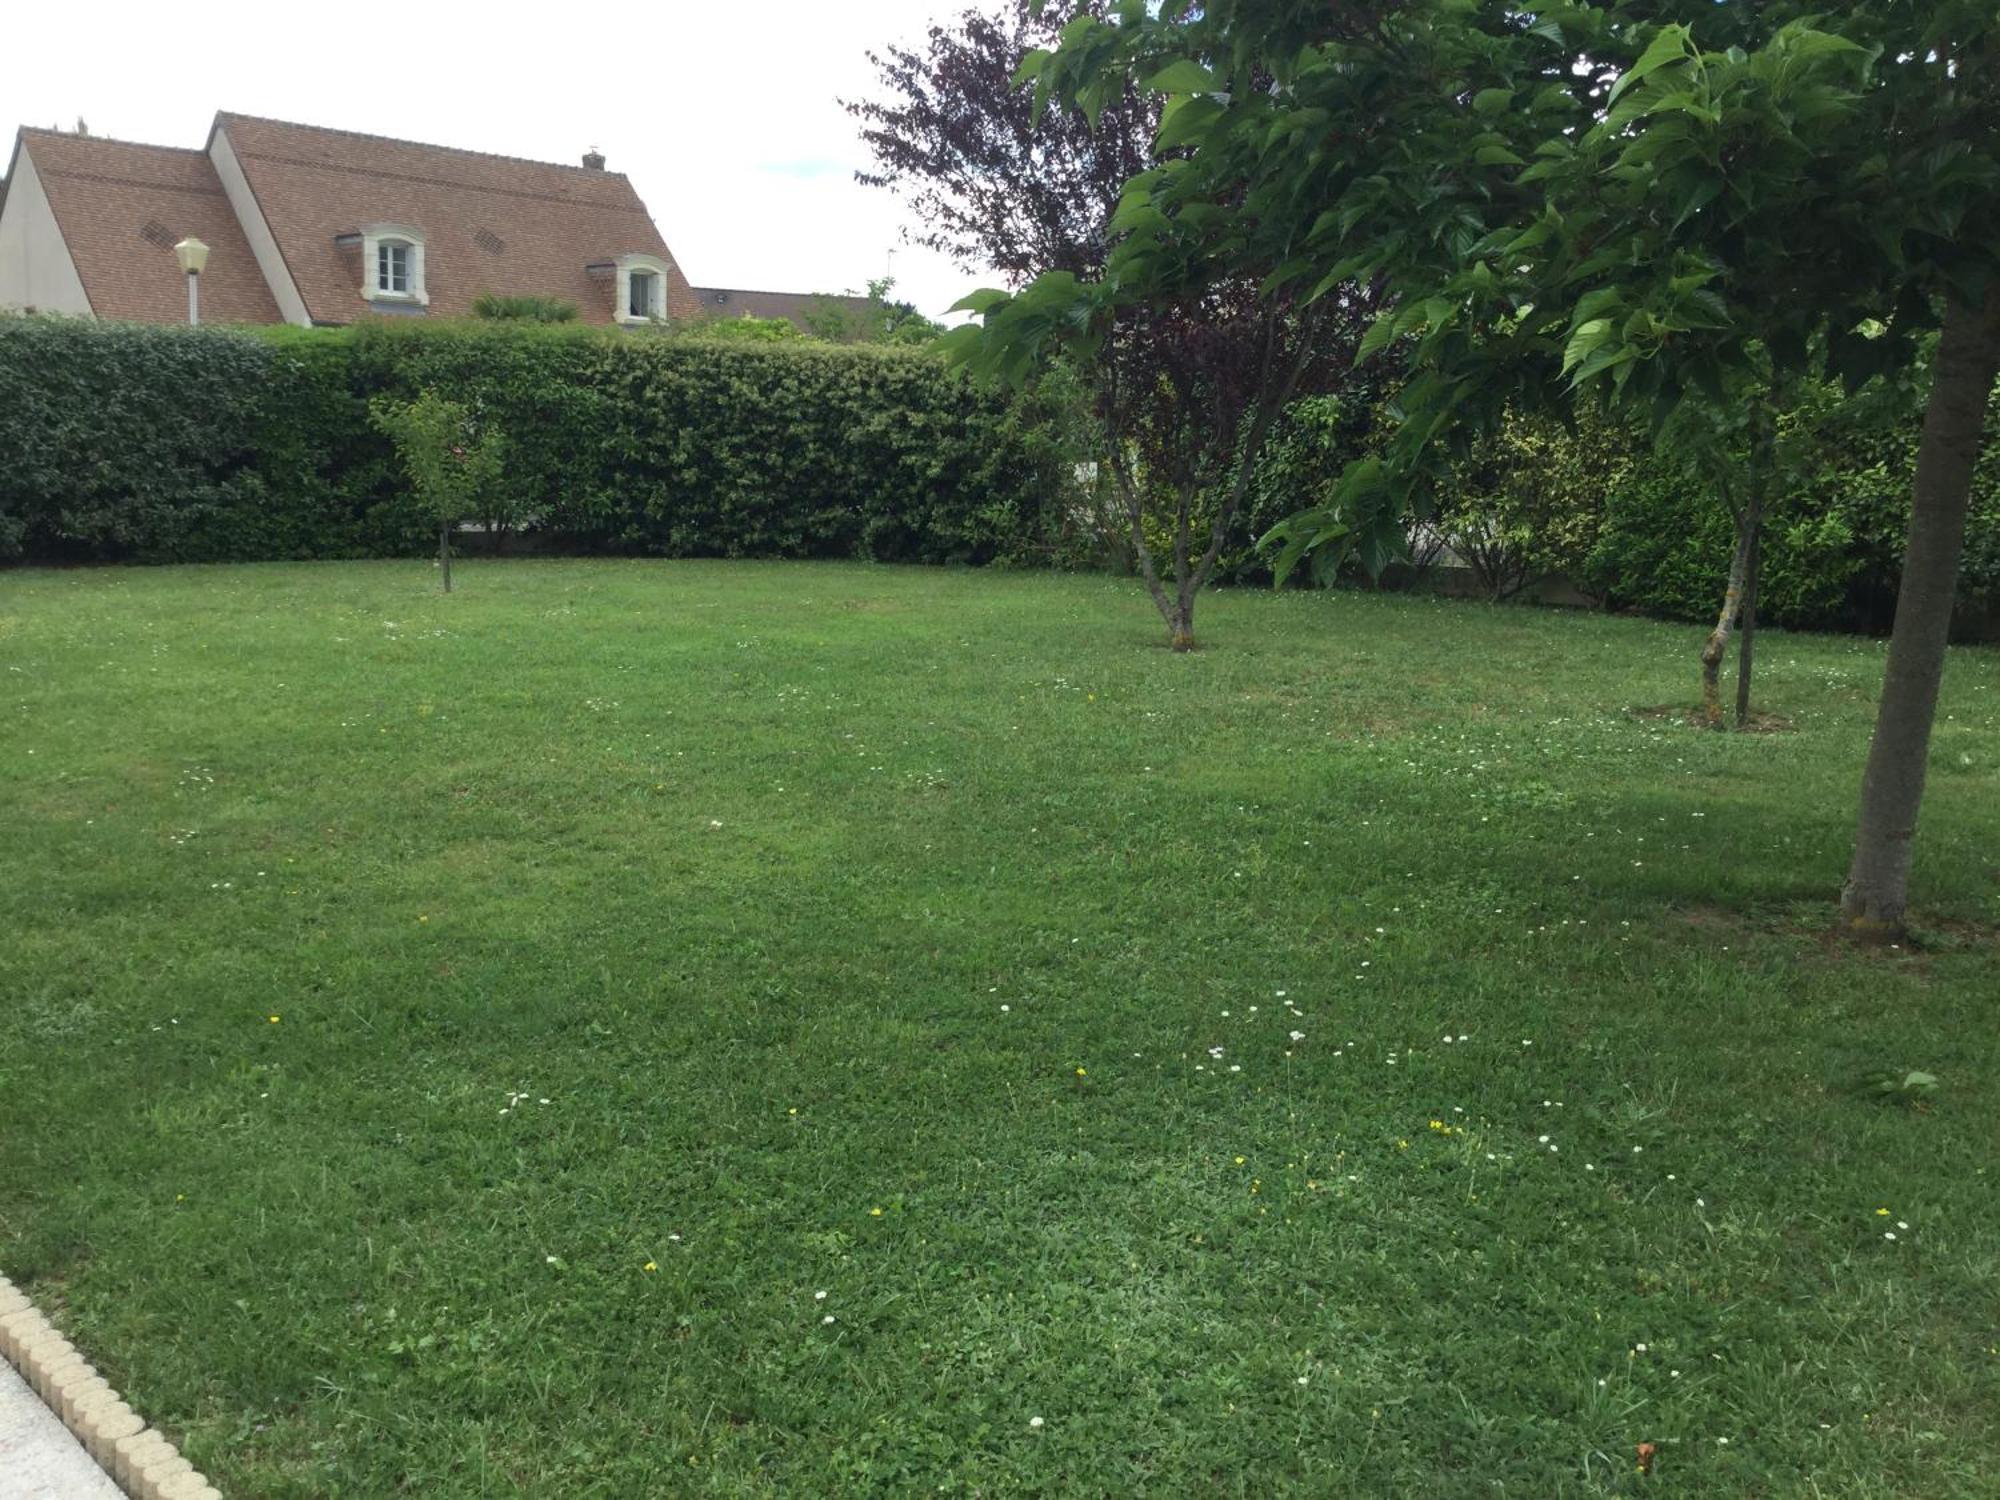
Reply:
x=635, y=1029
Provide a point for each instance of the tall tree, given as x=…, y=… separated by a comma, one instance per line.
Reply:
x=1634, y=201
x=993, y=183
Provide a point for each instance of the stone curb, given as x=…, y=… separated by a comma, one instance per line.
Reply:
x=137, y=1457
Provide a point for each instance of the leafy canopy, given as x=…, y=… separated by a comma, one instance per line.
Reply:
x=1630, y=202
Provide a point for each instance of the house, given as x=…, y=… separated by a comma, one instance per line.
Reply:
x=322, y=227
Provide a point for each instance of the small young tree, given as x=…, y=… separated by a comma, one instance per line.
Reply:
x=452, y=458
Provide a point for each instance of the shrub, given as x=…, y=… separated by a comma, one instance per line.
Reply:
x=1834, y=527
x=523, y=309
x=1529, y=501
x=156, y=444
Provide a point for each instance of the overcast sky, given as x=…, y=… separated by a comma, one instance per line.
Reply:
x=725, y=116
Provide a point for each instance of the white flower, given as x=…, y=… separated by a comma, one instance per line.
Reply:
x=819, y=1296
x=827, y=1319
x=1034, y=1421
x=1302, y=1380
x=1888, y=1234
x=1901, y=1225
x=1544, y=1140
x=1298, y=1036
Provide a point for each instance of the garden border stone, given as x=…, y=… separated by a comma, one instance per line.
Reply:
x=139, y=1459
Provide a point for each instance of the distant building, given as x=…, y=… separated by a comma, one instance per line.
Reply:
x=315, y=226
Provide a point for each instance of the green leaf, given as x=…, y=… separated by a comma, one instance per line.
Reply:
x=1181, y=77
x=982, y=301
x=1379, y=333
x=1497, y=156
x=1185, y=117
x=1031, y=66
x=1670, y=46
x=1491, y=101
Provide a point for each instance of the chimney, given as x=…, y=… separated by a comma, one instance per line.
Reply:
x=594, y=159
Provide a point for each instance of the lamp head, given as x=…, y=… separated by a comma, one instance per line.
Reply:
x=192, y=254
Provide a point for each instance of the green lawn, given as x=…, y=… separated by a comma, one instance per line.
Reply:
x=450, y=1045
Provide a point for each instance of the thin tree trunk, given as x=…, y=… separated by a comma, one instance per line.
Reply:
x=1746, y=646
x=1180, y=622
x=444, y=553
x=1718, y=638
x=1763, y=443
x=1876, y=895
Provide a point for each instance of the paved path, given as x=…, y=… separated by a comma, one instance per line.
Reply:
x=39, y=1460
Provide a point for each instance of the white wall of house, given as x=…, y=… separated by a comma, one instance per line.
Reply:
x=35, y=265
x=262, y=245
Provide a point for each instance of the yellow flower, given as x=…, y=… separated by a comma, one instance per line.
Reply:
x=650, y=1266
x=1081, y=1074
x=874, y=1213
x=422, y=918
x=793, y=1110
x=1240, y=1160
x=274, y=1020
x=1402, y=1145
x=1881, y=1213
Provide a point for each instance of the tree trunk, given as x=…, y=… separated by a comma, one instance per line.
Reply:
x=1763, y=445
x=444, y=553
x=1176, y=610
x=1746, y=648
x=1718, y=638
x=1873, y=901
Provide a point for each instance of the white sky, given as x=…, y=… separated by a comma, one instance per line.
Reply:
x=727, y=122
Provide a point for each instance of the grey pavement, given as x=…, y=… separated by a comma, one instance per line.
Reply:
x=39, y=1459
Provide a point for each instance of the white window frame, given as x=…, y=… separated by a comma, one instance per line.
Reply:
x=373, y=238
x=657, y=268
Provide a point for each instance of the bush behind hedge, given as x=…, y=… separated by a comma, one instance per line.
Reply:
x=160, y=444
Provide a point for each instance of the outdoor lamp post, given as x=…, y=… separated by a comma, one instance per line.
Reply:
x=193, y=255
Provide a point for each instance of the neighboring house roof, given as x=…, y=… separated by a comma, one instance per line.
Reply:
x=490, y=223
x=737, y=302
x=122, y=207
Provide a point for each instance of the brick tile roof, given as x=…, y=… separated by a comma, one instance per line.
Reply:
x=490, y=223
x=121, y=208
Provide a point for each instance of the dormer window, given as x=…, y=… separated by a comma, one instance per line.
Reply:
x=392, y=264
x=392, y=267
x=644, y=301
x=642, y=289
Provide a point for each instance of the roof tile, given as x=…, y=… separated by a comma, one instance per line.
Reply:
x=122, y=207
x=490, y=223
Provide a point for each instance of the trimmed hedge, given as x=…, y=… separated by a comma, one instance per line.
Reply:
x=174, y=444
